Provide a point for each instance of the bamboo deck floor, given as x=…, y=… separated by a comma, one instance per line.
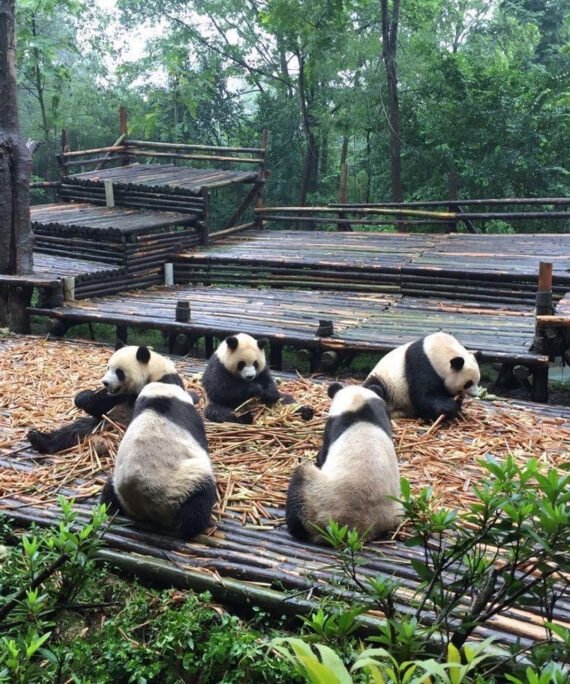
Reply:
x=372, y=322
x=494, y=268
x=68, y=218
x=257, y=562
x=163, y=176
x=82, y=269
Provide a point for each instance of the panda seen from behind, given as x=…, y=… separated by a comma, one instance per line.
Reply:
x=356, y=480
x=428, y=377
x=238, y=371
x=163, y=475
x=129, y=369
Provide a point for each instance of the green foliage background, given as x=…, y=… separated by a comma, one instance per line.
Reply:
x=484, y=88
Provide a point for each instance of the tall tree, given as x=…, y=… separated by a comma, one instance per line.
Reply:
x=390, y=17
x=16, y=239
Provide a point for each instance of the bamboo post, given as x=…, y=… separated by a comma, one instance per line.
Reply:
x=540, y=342
x=69, y=288
x=205, y=223
x=452, y=192
x=109, y=194
x=64, y=149
x=122, y=333
x=124, y=130
x=343, y=197
x=260, y=183
x=276, y=356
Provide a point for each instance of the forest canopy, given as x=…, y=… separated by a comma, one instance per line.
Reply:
x=482, y=88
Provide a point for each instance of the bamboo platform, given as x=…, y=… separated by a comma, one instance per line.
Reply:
x=71, y=218
x=166, y=177
x=480, y=268
x=248, y=558
x=372, y=322
x=133, y=244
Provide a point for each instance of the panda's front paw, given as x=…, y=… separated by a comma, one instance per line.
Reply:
x=84, y=400
x=39, y=441
x=269, y=398
x=254, y=389
x=306, y=412
x=245, y=418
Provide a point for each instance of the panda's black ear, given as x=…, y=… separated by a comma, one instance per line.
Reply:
x=143, y=355
x=377, y=389
x=119, y=344
x=262, y=342
x=457, y=363
x=232, y=342
x=334, y=388
x=478, y=355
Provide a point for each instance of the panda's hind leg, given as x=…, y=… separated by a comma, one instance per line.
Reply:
x=194, y=515
x=63, y=438
x=110, y=499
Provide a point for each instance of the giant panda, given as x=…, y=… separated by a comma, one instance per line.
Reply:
x=163, y=474
x=236, y=372
x=356, y=473
x=428, y=377
x=129, y=369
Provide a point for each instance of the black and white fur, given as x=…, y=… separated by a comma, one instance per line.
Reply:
x=428, y=377
x=356, y=473
x=129, y=369
x=236, y=372
x=163, y=474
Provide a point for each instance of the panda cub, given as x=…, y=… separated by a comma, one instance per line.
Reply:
x=236, y=372
x=129, y=369
x=427, y=377
x=356, y=473
x=163, y=474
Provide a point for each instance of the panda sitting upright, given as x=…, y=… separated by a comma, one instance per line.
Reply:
x=356, y=480
x=129, y=369
x=236, y=372
x=163, y=474
x=428, y=377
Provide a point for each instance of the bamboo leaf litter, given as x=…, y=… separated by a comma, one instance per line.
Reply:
x=253, y=463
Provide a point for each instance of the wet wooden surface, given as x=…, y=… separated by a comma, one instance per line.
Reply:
x=362, y=321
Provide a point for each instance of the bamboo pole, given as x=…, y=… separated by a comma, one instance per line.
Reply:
x=198, y=157
x=181, y=146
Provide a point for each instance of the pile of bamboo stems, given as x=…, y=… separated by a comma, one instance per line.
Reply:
x=253, y=463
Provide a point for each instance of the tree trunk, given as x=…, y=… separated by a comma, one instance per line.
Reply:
x=310, y=168
x=16, y=240
x=389, y=45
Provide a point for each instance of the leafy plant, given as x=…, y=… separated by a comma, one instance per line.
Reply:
x=510, y=548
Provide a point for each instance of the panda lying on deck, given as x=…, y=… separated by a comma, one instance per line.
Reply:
x=356, y=477
x=129, y=369
x=163, y=474
x=427, y=378
x=238, y=371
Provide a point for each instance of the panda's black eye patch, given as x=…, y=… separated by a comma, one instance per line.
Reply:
x=467, y=385
x=120, y=373
x=255, y=365
x=241, y=365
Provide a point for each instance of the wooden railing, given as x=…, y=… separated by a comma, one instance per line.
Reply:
x=127, y=149
x=408, y=214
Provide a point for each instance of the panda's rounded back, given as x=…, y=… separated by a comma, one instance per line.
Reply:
x=360, y=434
x=390, y=373
x=163, y=453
